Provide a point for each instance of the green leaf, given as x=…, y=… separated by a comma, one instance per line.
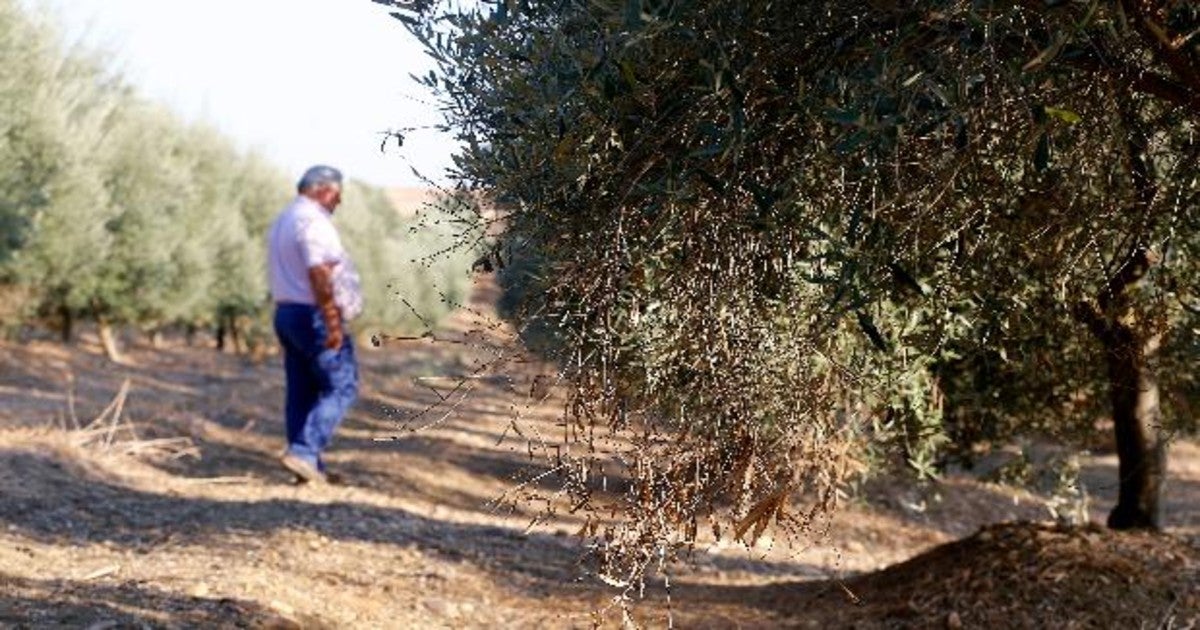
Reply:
x=1064, y=115
x=628, y=74
x=844, y=116
x=852, y=142
x=633, y=14
x=913, y=79
x=407, y=19
x=868, y=326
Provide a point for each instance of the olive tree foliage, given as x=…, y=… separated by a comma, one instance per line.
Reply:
x=774, y=236
x=58, y=110
x=156, y=267
x=240, y=197
x=22, y=147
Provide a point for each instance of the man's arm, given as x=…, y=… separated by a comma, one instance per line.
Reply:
x=321, y=278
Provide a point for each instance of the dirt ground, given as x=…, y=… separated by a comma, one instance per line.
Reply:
x=149, y=495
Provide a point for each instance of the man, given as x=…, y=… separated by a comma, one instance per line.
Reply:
x=315, y=288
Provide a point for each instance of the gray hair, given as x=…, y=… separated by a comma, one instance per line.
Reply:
x=319, y=175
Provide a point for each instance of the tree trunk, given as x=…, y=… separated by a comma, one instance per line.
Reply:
x=235, y=336
x=1137, y=422
x=109, y=341
x=229, y=338
x=67, y=323
x=1132, y=347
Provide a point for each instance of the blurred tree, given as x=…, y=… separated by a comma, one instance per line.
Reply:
x=254, y=192
x=62, y=111
x=114, y=209
x=418, y=266
x=22, y=149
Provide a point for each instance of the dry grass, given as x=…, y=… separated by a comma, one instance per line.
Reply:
x=166, y=508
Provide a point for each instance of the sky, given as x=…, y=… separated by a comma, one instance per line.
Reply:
x=302, y=81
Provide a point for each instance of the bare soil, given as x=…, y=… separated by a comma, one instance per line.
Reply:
x=166, y=507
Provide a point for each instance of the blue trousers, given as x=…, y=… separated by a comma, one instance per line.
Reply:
x=321, y=383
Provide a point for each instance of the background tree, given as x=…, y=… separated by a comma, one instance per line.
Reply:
x=63, y=108
x=770, y=231
x=116, y=210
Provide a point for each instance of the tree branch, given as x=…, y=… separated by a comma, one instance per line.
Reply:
x=1136, y=79
x=1162, y=44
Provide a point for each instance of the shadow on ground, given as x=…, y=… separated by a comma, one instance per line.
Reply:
x=67, y=504
x=28, y=603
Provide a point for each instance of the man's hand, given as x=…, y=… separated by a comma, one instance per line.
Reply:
x=321, y=277
x=333, y=340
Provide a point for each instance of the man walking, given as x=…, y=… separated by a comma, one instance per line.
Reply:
x=315, y=288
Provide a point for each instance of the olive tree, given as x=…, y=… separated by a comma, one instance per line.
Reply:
x=768, y=232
